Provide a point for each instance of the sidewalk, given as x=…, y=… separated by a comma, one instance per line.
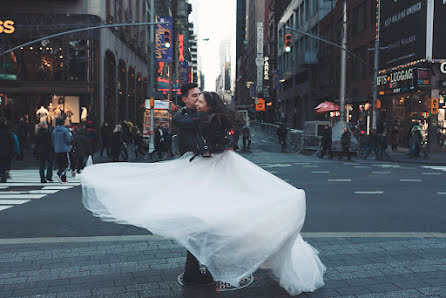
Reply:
x=148, y=266
x=435, y=158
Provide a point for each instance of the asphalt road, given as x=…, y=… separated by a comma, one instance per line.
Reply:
x=357, y=196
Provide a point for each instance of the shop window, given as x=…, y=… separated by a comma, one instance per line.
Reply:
x=77, y=60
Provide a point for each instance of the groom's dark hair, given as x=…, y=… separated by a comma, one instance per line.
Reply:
x=186, y=87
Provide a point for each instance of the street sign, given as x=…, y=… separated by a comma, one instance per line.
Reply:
x=6, y=65
x=4, y=76
x=260, y=106
x=434, y=106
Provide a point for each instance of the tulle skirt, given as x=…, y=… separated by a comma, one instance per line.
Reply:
x=231, y=214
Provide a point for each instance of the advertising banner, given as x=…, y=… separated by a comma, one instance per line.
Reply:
x=439, y=40
x=183, y=70
x=163, y=54
x=403, y=31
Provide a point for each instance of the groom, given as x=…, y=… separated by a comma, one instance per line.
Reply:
x=186, y=134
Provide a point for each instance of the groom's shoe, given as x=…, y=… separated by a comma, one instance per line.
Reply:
x=198, y=279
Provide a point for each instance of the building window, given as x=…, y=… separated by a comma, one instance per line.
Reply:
x=359, y=18
x=77, y=55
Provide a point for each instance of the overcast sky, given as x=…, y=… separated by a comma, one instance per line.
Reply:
x=216, y=20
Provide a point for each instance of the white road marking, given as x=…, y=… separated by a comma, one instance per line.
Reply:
x=277, y=165
x=410, y=180
x=273, y=172
x=36, y=191
x=371, y=192
x=386, y=166
x=362, y=167
x=5, y=207
x=430, y=173
x=440, y=168
x=20, y=196
x=380, y=172
x=311, y=166
x=441, y=193
x=320, y=172
x=350, y=164
x=340, y=180
x=59, y=187
x=11, y=184
x=13, y=202
x=407, y=168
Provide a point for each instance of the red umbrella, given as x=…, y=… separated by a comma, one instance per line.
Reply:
x=325, y=107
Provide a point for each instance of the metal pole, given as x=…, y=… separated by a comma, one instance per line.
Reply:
x=343, y=63
x=375, y=75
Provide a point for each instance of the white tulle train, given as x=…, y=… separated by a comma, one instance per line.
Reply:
x=231, y=214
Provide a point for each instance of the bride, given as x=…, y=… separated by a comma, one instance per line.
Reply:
x=232, y=215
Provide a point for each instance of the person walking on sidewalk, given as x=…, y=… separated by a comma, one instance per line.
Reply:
x=372, y=144
x=61, y=141
x=246, y=134
x=6, y=149
x=326, y=143
x=345, y=144
x=395, y=135
x=44, y=151
x=105, y=139
x=82, y=149
x=417, y=139
x=383, y=146
x=281, y=133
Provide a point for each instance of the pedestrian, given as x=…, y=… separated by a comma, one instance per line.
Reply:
x=82, y=149
x=138, y=142
x=62, y=142
x=106, y=134
x=395, y=135
x=167, y=141
x=159, y=142
x=327, y=143
x=44, y=152
x=246, y=137
x=116, y=143
x=372, y=144
x=345, y=144
x=383, y=143
x=232, y=243
x=184, y=118
x=7, y=149
x=281, y=133
x=417, y=139
x=20, y=132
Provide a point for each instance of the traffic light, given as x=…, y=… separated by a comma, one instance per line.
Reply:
x=152, y=102
x=287, y=42
x=167, y=39
x=378, y=104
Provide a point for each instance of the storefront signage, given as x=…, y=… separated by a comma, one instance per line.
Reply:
x=159, y=104
x=443, y=67
x=266, y=69
x=398, y=76
x=4, y=76
x=7, y=27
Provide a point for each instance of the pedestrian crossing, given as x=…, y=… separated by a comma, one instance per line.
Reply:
x=24, y=186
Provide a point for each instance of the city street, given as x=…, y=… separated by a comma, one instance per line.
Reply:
x=380, y=228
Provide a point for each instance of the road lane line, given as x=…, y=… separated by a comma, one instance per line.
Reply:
x=320, y=172
x=13, y=202
x=5, y=207
x=441, y=193
x=407, y=168
x=13, y=184
x=371, y=192
x=58, y=187
x=311, y=166
x=340, y=180
x=362, y=167
x=380, y=172
x=428, y=173
x=21, y=196
x=411, y=180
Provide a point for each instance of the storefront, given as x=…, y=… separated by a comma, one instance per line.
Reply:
x=54, y=76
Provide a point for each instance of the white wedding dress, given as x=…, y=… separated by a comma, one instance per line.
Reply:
x=231, y=214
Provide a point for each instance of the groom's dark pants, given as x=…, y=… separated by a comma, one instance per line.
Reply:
x=192, y=267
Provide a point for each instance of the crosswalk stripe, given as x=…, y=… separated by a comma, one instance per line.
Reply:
x=429, y=173
x=12, y=184
x=320, y=172
x=35, y=191
x=441, y=193
x=410, y=180
x=20, y=196
x=13, y=202
x=5, y=207
x=380, y=172
x=57, y=187
x=371, y=192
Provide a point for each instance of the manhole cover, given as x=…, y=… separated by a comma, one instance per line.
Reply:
x=224, y=286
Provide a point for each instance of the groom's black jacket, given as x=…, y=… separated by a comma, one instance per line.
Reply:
x=185, y=121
